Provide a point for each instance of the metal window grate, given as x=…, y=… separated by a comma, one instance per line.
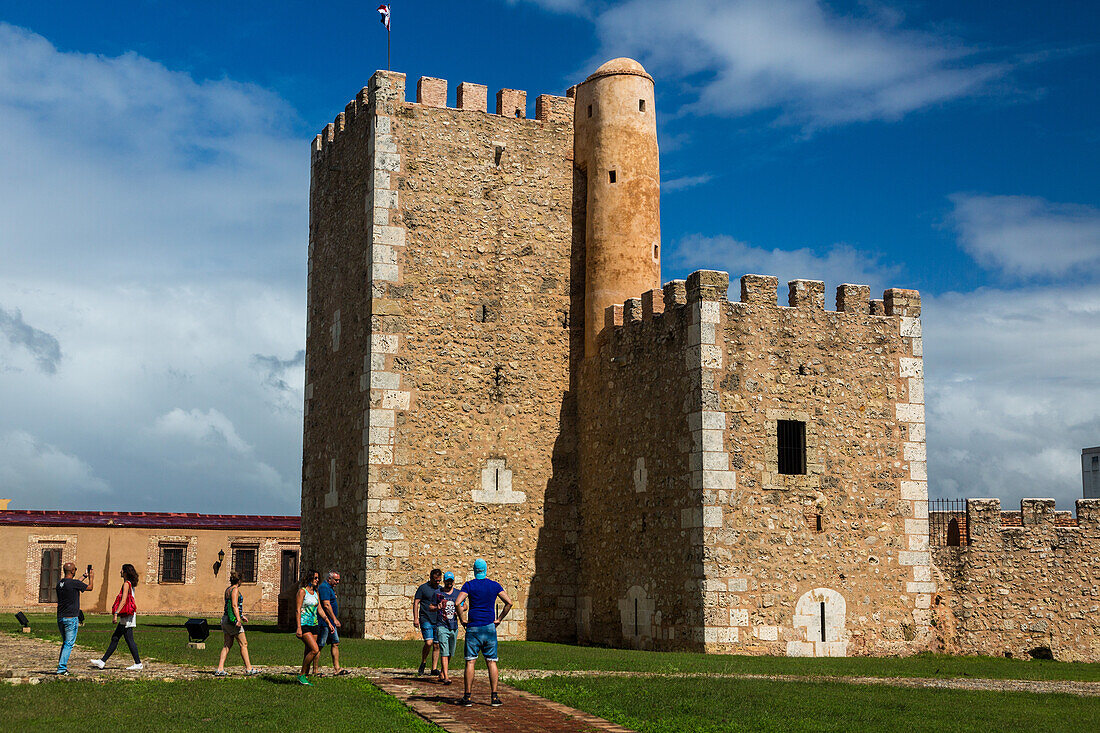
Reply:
x=947, y=523
x=244, y=563
x=171, y=563
x=50, y=576
x=792, y=447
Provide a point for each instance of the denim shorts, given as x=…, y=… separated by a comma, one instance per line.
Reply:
x=481, y=640
x=328, y=637
x=427, y=630
x=447, y=638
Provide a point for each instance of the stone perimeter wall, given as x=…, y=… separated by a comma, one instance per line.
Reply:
x=1012, y=589
x=457, y=438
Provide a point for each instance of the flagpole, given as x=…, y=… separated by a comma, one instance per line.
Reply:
x=387, y=47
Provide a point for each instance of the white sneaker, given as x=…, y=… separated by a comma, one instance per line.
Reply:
x=135, y=667
x=97, y=663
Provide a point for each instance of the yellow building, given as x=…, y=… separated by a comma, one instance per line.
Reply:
x=183, y=560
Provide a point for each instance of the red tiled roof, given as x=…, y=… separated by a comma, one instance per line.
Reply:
x=178, y=520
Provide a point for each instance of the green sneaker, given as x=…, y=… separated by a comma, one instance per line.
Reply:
x=303, y=681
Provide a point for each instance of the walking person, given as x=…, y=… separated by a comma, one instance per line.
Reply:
x=330, y=633
x=68, y=610
x=481, y=594
x=233, y=620
x=307, y=604
x=446, y=631
x=124, y=614
x=425, y=619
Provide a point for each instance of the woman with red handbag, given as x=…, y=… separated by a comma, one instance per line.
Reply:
x=124, y=613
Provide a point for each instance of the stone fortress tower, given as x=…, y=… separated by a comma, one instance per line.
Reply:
x=493, y=369
x=615, y=147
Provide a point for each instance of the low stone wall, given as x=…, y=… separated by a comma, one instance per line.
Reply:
x=1014, y=589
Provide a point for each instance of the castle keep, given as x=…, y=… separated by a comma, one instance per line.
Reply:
x=494, y=369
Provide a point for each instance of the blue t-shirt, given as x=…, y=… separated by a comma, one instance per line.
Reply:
x=448, y=615
x=326, y=593
x=483, y=601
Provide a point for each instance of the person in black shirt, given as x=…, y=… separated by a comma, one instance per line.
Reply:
x=68, y=610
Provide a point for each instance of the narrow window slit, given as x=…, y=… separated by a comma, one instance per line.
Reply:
x=611, y=176
x=641, y=105
x=823, y=620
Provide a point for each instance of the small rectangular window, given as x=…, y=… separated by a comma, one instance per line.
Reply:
x=49, y=576
x=611, y=176
x=171, y=563
x=641, y=105
x=590, y=110
x=244, y=563
x=792, y=447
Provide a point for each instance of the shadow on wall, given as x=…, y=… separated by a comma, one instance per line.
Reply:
x=552, y=600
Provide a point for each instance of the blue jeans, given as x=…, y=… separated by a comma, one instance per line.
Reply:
x=328, y=637
x=481, y=640
x=68, y=628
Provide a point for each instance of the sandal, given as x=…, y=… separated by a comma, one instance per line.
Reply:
x=342, y=672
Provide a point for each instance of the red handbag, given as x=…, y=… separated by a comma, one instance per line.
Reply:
x=129, y=608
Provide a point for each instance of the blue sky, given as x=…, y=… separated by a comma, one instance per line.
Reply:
x=154, y=162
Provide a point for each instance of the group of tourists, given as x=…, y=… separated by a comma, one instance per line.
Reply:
x=438, y=609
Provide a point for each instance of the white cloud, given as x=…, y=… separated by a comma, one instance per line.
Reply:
x=201, y=427
x=1011, y=389
x=840, y=263
x=1025, y=236
x=120, y=168
x=683, y=183
x=43, y=473
x=801, y=60
x=154, y=227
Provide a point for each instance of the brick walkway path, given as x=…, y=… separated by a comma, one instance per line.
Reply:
x=522, y=712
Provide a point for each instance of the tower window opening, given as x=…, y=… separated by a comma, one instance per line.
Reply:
x=792, y=447
x=517, y=112
x=656, y=251
x=590, y=110
x=823, y=620
x=641, y=105
x=611, y=176
x=820, y=524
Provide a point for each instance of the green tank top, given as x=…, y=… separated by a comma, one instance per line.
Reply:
x=228, y=612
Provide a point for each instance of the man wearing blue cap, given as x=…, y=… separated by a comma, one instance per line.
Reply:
x=481, y=623
x=446, y=629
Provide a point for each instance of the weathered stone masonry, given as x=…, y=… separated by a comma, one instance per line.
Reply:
x=449, y=297
x=1023, y=581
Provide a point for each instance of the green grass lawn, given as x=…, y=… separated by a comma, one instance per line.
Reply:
x=164, y=638
x=261, y=704
x=726, y=705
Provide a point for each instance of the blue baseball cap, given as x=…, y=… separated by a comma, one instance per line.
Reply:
x=448, y=576
x=481, y=568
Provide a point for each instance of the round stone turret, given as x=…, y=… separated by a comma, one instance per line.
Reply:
x=615, y=144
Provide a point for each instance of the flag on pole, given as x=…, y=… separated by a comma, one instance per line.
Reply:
x=384, y=11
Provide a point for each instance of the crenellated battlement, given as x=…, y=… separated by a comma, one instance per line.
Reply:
x=760, y=291
x=985, y=523
x=432, y=92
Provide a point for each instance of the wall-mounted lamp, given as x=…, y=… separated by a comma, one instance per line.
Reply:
x=218, y=564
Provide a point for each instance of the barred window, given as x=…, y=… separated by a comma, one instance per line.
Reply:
x=172, y=563
x=792, y=447
x=49, y=576
x=244, y=562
